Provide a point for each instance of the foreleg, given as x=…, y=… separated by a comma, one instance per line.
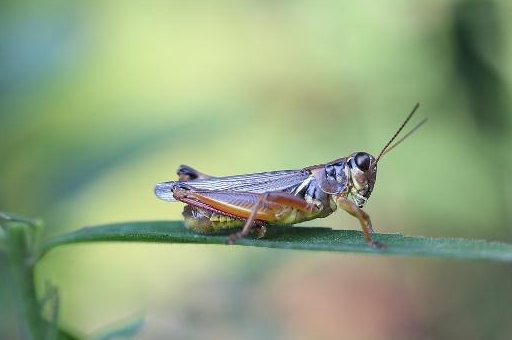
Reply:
x=363, y=217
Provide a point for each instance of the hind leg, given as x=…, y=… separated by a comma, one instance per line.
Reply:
x=187, y=173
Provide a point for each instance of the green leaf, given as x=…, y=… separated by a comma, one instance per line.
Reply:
x=320, y=239
x=10, y=217
x=65, y=335
x=124, y=331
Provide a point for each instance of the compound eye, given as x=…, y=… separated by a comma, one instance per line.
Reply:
x=362, y=161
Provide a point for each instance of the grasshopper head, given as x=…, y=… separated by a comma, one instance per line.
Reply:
x=363, y=173
x=363, y=166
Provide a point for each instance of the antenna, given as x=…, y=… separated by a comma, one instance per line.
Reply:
x=388, y=148
x=405, y=137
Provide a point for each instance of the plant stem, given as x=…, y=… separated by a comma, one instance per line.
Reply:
x=21, y=259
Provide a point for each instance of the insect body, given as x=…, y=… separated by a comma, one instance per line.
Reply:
x=251, y=202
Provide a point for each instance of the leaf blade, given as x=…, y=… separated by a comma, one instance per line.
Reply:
x=299, y=238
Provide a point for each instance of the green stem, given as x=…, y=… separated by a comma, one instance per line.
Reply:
x=21, y=259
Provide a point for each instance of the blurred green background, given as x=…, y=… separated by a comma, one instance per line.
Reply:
x=100, y=100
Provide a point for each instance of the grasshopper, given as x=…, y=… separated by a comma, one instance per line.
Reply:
x=242, y=204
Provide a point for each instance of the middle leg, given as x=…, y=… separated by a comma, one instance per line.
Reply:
x=284, y=200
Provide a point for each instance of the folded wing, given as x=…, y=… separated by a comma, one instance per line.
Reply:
x=257, y=183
